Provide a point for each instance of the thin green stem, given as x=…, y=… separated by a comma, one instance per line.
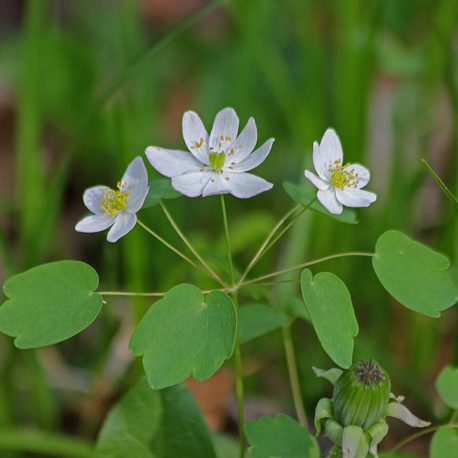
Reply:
x=170, y=247
x=129, y=294
x=153, y=294
x=440, y=183
x=239, y=390
x=269, y=283
x=294, y=375
x=44, y=443
x=226, y=236
x=306, y=264
x=258, y=281
x=287, y=228
x=237, y=350
x=421, y=433
x=261, y=249
x=190, y=246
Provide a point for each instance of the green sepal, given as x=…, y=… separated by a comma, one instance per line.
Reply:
x=323, y=411
x=334, y=431
x=331, y=375
x=355, y=442
x=377, y=431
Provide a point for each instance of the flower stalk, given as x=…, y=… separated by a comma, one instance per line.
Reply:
x=239, y=390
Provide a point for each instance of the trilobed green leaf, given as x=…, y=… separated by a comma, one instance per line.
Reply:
x=444, y=443
x=447, y=386
x=414, y=274
x=49, y=303
x=185, y=333
x=331, y=311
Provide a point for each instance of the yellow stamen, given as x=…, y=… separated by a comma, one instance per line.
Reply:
x=113, y=201
x=198, y=144
x=342, y=178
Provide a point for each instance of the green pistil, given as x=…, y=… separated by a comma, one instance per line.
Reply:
x=217, y=161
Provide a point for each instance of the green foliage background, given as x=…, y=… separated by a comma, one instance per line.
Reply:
x=382, y=73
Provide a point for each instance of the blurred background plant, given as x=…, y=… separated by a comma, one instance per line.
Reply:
x=83, y=90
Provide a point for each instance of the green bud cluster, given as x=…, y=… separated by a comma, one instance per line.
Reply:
x=361, y=395
x=354, y=419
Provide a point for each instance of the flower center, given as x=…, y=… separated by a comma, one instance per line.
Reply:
x=217, y=161
x=113, y=201
x=342, y=178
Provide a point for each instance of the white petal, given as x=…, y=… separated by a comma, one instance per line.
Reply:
x=171, y=162
x=93, y=196
x=330, y=146
x=363, y=174
x=224, y=130
x=244, y=144
x=401, y=412
x=191, y=184
x=329, y=201
x=318, y=182
x=218, y=184
x=195, y=136
x=124, y=223
x=351, y=197
x=245, y=185
x=135, y=182
x=95, y=223
x=253, y=160
x=326, y=155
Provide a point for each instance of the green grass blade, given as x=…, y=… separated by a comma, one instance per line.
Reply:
x=450, y=196
x=29, y=174
x=44, y=443
x=47, y=222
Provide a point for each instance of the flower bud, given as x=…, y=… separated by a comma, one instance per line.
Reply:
x=361, y=395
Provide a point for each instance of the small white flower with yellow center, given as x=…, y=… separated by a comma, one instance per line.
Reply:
x=116, y=208
x=217, y=163
x=338, y=184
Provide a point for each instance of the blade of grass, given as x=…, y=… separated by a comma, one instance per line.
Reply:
x=44, y=443
x=47, y=223
x=29, y=176
x=29, y=173
x=450, y=196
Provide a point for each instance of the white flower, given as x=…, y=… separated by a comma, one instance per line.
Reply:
x=116, y=208
x=338, y=184
x=217, y=163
